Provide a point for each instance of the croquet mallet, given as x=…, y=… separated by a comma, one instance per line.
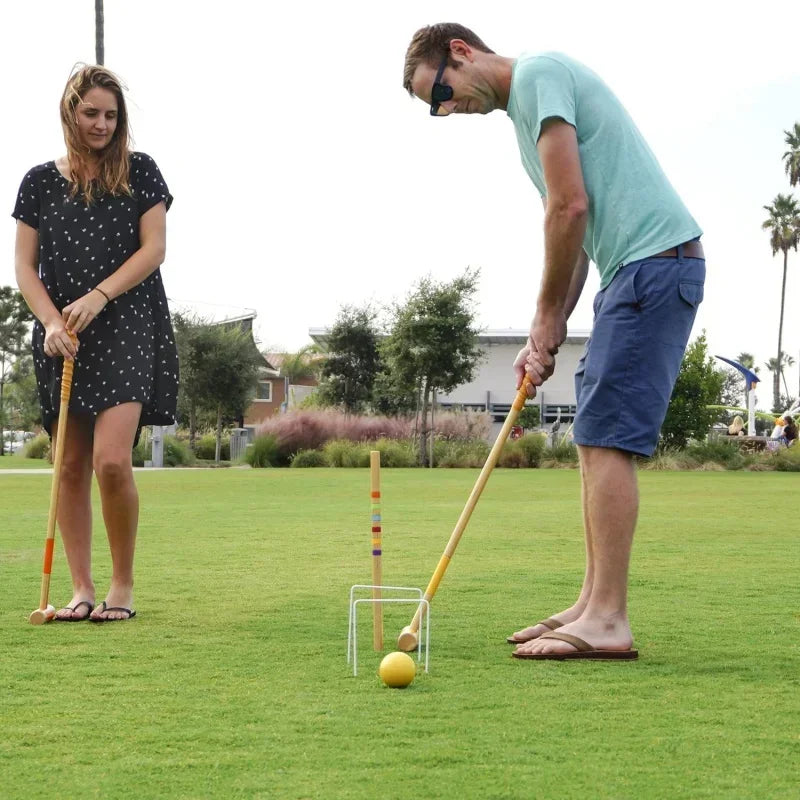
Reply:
x=409, y=636
x=46, y=612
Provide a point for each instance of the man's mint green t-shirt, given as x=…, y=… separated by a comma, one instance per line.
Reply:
x=633, y=210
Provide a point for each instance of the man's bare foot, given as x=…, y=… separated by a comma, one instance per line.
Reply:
x=78, y=608
x=116, y=605
x=535, y=631
x=602, y=633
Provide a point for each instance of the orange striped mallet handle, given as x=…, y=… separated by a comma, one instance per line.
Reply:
x=377, y=552
x=409, y=636
x=46, y=612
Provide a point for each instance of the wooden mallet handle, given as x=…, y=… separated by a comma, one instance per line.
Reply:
x=45, y=612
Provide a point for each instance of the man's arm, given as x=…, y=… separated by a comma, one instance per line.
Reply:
x=576, y=284
x=579, y=274
x=565, y=219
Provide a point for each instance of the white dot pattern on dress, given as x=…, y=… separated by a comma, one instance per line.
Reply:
x=128, y=352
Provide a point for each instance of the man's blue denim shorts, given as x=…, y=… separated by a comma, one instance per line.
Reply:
x=642, y=322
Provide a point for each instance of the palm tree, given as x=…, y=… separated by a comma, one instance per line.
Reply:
x=748, y=360
x=305, y=363
x=792, y=155
x=99, y=44
x=786, y=363
x=784, y=227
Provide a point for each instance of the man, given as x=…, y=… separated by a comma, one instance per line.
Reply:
x=606, y=199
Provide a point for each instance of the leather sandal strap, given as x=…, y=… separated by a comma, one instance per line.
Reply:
x=577, y=643
x=550, y=623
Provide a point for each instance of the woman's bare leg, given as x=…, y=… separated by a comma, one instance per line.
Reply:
x=114, y=433
x=75, y=512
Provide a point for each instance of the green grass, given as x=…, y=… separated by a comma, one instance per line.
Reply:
x=232, y=681
x=19, y=462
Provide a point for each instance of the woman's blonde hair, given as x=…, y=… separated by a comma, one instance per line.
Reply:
x=113, y=168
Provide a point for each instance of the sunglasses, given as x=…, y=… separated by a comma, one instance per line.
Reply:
x=440, y=93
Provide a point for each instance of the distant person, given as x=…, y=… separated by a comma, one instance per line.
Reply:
x=606, y=199
x=789, y=436
x=736, y=428
x=91, y=235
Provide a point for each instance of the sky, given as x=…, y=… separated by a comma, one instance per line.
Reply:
x=305, y=178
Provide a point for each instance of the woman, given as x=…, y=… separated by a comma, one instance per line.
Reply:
x=91, y=235
x=789, y=436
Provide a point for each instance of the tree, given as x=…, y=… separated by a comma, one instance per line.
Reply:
x=772, y=365
x=433, y=341
x=792, y=155
x=226, y=365
x=353, y=360
x=187, y=329
x=784, y=227
x=15, y=318
x=219, y=372
x=303, y=364
x=699, y=385
x=390, y=396
x=23, y=409
x=529, y=417
x=99, y=38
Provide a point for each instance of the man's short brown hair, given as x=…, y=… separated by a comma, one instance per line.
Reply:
x=430, y=43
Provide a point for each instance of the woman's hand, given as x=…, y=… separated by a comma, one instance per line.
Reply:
x=78, y=315
x=57, y=342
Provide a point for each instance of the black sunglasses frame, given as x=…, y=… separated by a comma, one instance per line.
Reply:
x=440, y=92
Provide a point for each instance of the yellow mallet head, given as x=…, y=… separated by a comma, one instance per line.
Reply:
x=408, y=640
x=42, y=615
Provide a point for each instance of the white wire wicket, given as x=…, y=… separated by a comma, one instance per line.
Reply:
x=417, y=598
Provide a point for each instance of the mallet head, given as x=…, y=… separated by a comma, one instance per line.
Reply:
x=408, y=640
x=42, y=615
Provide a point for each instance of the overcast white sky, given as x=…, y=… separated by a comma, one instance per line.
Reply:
x=305, y=178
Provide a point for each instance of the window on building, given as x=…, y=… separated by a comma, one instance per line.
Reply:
x=264, y=391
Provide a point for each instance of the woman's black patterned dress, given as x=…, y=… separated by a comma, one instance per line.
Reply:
x=127, y=353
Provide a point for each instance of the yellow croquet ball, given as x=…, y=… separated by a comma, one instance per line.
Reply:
x=397, y=670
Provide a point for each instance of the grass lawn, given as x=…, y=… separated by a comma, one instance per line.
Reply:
x=16, y=461
x=232, y=681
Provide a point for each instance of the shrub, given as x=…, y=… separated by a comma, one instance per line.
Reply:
x=513, y=455
x=310, y=429
x=726, y=454
x=668, y=458
x=563, y=454
x=787, y=459
x=206, y=447
x=343, y=453
x=139, y=454
x=462, y=425
x=396, y=453
x=464, y=454
x=38, y=447
x=263, y=452
x=533, y=445
x=310, y=458
x=177, y=453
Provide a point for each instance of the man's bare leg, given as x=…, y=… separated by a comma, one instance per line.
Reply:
x=576, y=609
x=611, y=501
